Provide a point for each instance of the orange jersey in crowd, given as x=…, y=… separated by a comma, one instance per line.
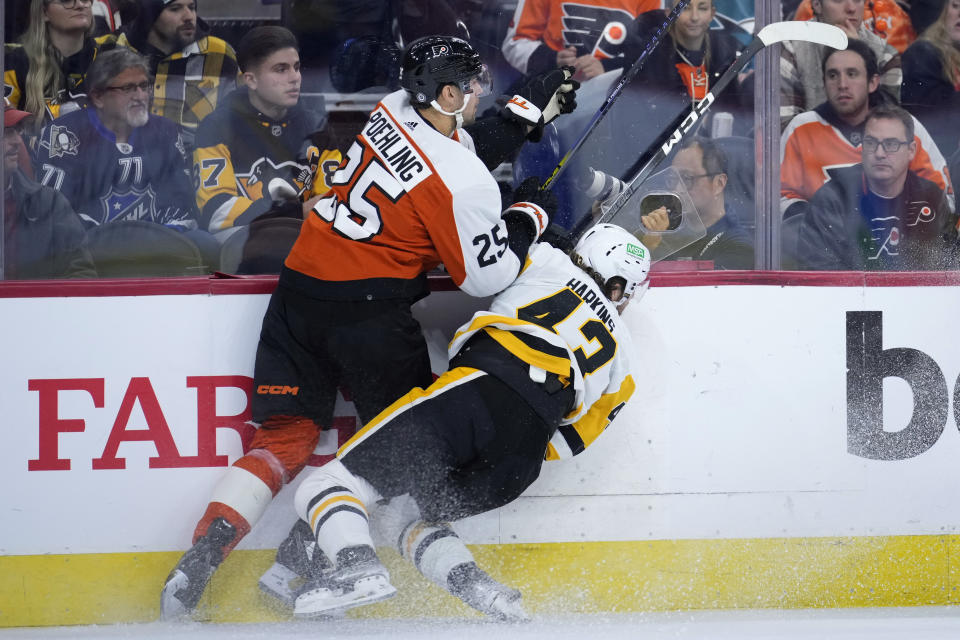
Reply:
x=560, y=24
x=405, y=199
x=810, y=146
x=884, y=17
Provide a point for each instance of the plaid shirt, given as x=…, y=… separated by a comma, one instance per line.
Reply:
x=190, y=83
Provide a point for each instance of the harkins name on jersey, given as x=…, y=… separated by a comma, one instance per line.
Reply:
x=398, y=154
x=592, y=300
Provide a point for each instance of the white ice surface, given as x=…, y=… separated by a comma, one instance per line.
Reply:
x=923, y=623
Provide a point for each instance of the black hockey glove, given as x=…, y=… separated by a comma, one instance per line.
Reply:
x=542, y=99
x=537, y=206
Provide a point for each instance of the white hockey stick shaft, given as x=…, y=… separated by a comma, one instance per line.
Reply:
x=816, y=32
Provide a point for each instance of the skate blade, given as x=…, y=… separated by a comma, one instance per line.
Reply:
x=508, y=610
x=324, y=602
x=280, y=583
x=171, y=608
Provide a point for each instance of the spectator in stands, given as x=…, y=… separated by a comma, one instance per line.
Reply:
x=879, y=215
x=884, y=18
x=817, y=143
x=44, y=74
x=545, y=34
x=42, y=236
x=801, y=63
x=114, y=160
x=677, y=75
x=702, y=166
x=691, y=59
x=931, y=78
x=193, y=71
x=259, y=152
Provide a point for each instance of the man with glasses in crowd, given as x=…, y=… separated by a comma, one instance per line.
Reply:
x=879, y=215
x=816, y=143
x=702, y=166
x=193, y=71
x=114, y=160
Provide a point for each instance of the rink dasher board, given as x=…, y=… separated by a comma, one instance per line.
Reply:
x=735, y=441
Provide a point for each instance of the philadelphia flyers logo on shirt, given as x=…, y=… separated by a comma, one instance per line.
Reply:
x=918, y=212
x=586, y=28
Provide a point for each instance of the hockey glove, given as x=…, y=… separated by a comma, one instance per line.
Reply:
x=537, y=206
x=542, y=99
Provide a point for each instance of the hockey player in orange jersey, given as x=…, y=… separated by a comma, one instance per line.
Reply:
x=414, y=191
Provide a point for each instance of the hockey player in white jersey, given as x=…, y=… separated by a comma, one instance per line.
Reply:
x=537, y=377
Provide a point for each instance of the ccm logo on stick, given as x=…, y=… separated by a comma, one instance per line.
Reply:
x=688, y=122
x=868, y=364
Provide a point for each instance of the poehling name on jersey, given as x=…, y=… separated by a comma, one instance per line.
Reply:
x=401, y=159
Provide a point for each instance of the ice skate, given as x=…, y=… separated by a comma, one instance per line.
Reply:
x=359, y=580
x=298, y=562
x=189, y=578
x=471, y=584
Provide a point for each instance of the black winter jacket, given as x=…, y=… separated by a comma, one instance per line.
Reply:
x=47, y=239
x=844, y=230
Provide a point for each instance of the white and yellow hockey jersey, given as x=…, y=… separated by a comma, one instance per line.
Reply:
x=557, y=302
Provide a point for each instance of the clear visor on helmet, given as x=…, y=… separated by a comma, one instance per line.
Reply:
x=479, y=85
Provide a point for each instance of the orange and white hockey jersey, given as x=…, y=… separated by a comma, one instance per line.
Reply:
x=405, y=199
x=558, y=303
x=592, y=26
x=816, y=141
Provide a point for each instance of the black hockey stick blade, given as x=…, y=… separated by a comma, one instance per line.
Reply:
x=816, y=32
x=625, y=79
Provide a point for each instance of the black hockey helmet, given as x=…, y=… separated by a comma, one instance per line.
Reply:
x=431, y=62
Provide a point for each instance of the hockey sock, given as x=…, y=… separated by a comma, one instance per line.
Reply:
x=278, y=451
x=333, y=502
x=434, y=550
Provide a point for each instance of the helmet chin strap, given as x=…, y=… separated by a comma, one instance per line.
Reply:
x=458, y=114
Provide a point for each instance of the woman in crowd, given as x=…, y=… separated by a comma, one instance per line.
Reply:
x=678, y=74
x=45, y=71
x=931, y=78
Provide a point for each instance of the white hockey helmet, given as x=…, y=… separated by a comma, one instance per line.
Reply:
x=614, y=252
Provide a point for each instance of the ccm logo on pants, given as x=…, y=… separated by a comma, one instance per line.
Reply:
x=277, y=390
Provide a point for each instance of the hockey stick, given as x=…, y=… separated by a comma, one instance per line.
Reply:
x=624, y=80
x=816, y=32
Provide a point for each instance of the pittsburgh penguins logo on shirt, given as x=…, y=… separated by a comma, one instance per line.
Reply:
x=599, y=31
x=282, y=180
x=61, y=142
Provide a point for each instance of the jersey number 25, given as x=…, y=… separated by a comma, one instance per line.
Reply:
x=358, y=218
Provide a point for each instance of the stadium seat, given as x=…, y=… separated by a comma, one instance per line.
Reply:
x=231, y=251
x=136, y=248
x=268, y=242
